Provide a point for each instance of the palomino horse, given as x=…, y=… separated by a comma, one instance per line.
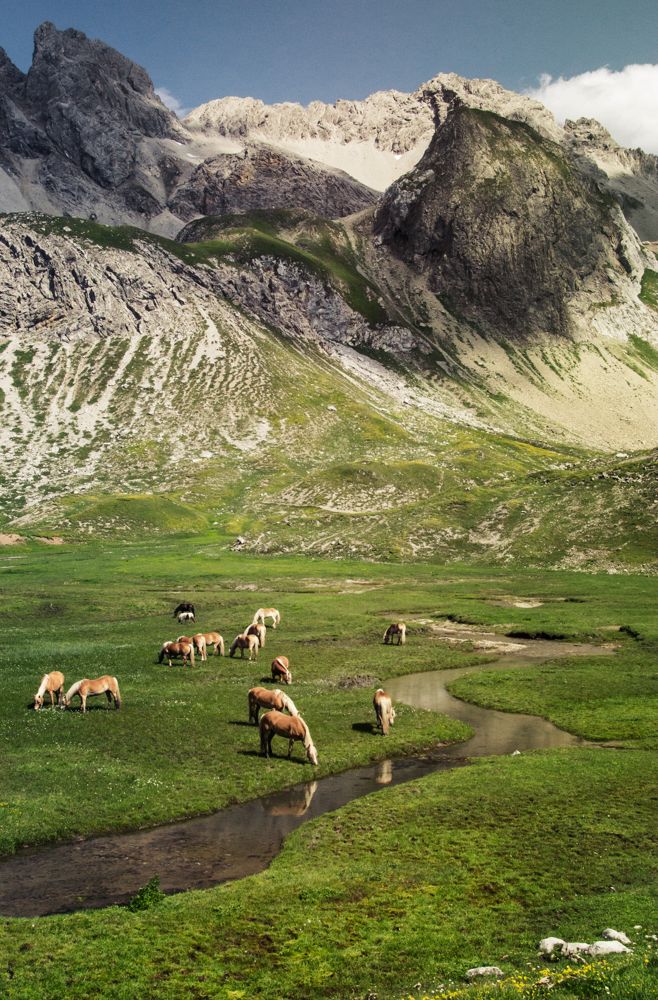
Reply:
x=281, y=670
x=216, y=640
x=383, y=710
x=264, y=698
x=51, y=683
x=398, y=629
x=243, y=642
x=291, y=727
x=264, y=613
x=259, y=630
x=177, y=651
x=199, y=643
x=86, y=689
x=186, y=616
x=186, y=607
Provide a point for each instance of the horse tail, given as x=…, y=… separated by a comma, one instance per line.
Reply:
x=403, y=634
x=219, y=645
x=162, y=654
x=192, y=654
x=387, y=633
x=116, y=693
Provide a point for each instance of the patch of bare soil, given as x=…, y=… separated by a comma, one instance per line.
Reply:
x=516, y=602
x=50, y=539
x=11, y=539
x=358, y=681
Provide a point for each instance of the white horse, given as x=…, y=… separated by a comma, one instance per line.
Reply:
x=186, y=616
x=264, y=613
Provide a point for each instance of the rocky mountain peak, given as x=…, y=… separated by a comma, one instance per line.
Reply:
x=507, y=232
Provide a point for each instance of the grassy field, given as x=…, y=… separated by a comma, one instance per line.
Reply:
x=395, y=895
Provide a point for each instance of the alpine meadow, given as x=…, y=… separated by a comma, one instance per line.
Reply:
x=379, y=376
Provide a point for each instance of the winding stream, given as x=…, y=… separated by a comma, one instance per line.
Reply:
x=242, y=840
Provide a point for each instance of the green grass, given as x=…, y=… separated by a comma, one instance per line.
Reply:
x=392, y=895
x=649, y=289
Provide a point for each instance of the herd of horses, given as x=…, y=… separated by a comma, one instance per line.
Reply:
x=273, y=722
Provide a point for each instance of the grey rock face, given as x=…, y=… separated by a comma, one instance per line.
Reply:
x=262, y=178
x=507, y=231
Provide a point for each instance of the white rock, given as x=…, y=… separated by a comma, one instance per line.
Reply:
x=570, y=948
x=608, y=948
x=610, y=935
x=484, y=970
x=332, y=408
x=549, y=944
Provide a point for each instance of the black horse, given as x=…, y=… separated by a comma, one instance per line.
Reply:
x=184, y=606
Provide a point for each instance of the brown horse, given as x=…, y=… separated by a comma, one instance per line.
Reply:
x=182, y=650
x=281, y=670
x=383, y=710
x=264, y=613
x=259, y=697
x=52, y=684
x=259, y=630
x=199, y=643
x=243, y=642
x=291, y=727
x=216, y=640
x=297, y=801
x=398, y=629
x=87, y=689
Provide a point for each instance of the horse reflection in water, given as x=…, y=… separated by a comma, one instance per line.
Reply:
x=297, y=804
x=384, y=775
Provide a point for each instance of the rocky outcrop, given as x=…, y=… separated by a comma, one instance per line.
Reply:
x=509, y=234
x=263, y=178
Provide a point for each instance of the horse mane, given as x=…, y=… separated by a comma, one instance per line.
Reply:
x=42, y=686
x=289, y=704
x=308, y=742
x=74, y=689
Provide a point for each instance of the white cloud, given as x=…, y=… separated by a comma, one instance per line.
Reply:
x=172, y=102
x=625, y=101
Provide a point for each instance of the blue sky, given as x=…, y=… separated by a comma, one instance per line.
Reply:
x=304, y=49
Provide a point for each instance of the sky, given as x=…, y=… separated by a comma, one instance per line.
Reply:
x=303, y=50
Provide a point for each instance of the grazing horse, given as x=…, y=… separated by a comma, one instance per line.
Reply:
x=199, y=643
x=243, y=642
x=383, y=710
x=186, y=616
x=51, y=683
x=186, y=607
x=281, y=670
x=291, y=727
x=86, y=689
x=216, y=640
x=264, y=698
x=264, y=613
x=259, y=630
x=177, y=650
x=398, y=629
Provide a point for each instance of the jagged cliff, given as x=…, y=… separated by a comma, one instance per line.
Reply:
x=510, y=235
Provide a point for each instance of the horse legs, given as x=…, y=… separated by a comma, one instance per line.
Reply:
x=83, y=703
x=290, y=743
x=109, y=696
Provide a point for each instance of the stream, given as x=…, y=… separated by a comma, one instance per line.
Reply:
x=240, y=840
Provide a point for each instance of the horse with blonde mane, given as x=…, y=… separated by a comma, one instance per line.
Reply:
x=199, y=643
x=291, y=728
x=183, y=650
x=383, y=710
x=259, y=630
x=259, y=697
x=216, y=640
x=281, y=670
x=87, y=689
x=264, y=613
x=243, y=642
x=51, y=684
x=398, y=629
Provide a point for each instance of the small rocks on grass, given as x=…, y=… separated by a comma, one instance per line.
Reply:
x=573, y=949
x=485, y=970
x=548, y=945
x=611, y=935
x=608, y=948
